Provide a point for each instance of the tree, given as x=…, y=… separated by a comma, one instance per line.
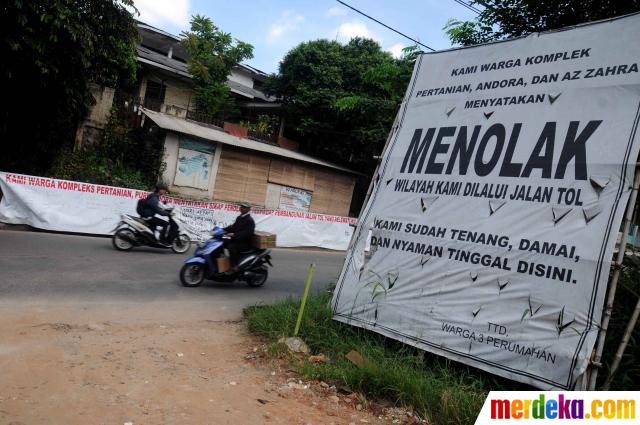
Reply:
x=341, y=100
x=51, y=52
x=212, y=54
x=512, y=18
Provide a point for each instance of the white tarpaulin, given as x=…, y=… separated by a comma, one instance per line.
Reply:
x=68, y=206
x=498, y=203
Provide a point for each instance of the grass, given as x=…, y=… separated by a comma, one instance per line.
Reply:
x=439, y=390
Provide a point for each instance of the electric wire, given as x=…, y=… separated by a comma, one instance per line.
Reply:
x=468, y=6
x=385, y=25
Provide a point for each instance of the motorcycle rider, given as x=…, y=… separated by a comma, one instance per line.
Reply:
x=153, y=206
x=240, y=232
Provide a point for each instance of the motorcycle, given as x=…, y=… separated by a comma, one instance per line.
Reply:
x=203, y=265
x=135, y=231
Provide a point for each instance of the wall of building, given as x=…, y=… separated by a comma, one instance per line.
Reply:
x=236, y=175
x=247, y=176
x=142, y=88
x=293, y=174
x=171, y=161
x=242, y=176
x=90, y=130
x=332, y=193
x=178, y=96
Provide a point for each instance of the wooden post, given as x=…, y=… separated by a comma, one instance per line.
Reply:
x=627, y=332
x=595, y=362
x=623, y=346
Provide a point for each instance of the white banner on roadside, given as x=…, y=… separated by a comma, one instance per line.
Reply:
x=499, y=200
x=68, y=206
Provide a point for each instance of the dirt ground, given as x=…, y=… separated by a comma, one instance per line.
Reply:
x=169, y=363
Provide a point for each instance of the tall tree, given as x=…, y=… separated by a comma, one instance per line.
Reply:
x=341, y=99
x=51, y=52
x=512, y=18
x=212, y=54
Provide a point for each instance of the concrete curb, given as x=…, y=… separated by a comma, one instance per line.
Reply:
x=15, y=227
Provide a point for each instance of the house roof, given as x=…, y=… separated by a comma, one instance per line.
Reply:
x=180, y=125
x=148, y=56
x=148, y=27
x=249, y=91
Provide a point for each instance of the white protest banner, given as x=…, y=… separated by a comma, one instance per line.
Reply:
x=62, y=205
x=499, y=200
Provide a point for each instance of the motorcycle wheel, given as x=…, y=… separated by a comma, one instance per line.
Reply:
x=260, y=277
x=122, y=240
x=192, y=275
x=181, y=244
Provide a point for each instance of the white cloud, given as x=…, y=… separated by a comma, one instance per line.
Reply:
x=288, y=22
x=353, y=29
x=396, y=50
x=336, y=11
x=163, y=12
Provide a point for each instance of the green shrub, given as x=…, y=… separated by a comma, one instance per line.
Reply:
x=123, y=157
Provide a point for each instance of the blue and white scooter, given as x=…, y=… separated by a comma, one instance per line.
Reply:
x=251, y=268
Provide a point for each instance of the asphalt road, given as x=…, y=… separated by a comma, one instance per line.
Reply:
x=47, y=267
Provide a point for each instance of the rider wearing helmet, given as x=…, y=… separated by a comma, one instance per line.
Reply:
x=153, y=206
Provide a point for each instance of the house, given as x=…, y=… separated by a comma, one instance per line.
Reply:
x=210, y=159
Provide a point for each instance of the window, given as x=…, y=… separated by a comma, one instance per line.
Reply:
x=154, y=95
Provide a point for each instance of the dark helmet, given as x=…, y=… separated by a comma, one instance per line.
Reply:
x=161, y=186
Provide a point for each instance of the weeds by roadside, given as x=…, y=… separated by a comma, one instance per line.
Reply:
x=440, y=391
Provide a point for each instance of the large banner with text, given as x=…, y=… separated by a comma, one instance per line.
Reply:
x=68, y=206
x=498, y=203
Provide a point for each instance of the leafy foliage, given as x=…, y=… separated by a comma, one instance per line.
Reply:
x=51, y=52
x=512, y=18
x=212, y=54
x=341, y=99
x=265, y=124
x=124, y=157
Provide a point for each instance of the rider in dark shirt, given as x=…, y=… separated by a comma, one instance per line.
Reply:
x=240, y=232
x=152, y=207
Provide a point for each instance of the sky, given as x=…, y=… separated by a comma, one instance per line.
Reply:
x=274, y=27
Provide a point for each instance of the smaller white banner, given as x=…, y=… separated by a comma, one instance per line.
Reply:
x=537, y=407
x=292, y=199
x=68, y=206
x=194, y=169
